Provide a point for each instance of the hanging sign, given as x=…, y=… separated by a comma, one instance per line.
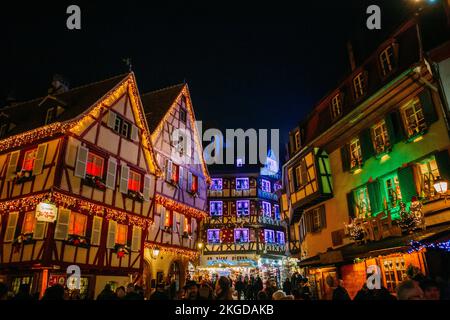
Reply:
x=46, y=212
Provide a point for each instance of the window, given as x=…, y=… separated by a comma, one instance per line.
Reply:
x=386, y=60
x=380, y=137
x=241, y=235
x=28, y=160
x=215, y=208
x=122, y=127
x=95, y=165
x=216, y=184
x=336, y=106
x=77, y=224
x=291, y=180
x=3, y=130
x=122, y=233
x=265, y=185
x=175, y=173
x=276, y=186
x=187, y=225
x=50, y=116
x=316, y=221
x=394, y=271
x=280, y=237
x=267, y=209
x=276, y=208
x=243, y=208
x=134, y=181
x=183, y=115
x=297, y=140
x=194, y=184
x=393, y=195
x=28, y=223
x=362, y=202
x=428, y=173
x=414, y=118
x=301, y=174
x=355, y=154
x=269, y=236
x=213, y=236
x=359, y=85
x=242, y=184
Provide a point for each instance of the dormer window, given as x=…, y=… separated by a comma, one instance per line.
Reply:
x=183, y=113
x=359, y=85
x=3, y=130
x=297, y=140
x=387, y=60
x=51, y=115
x=336, y=106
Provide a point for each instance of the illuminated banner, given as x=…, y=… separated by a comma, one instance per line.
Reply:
x=46, y=212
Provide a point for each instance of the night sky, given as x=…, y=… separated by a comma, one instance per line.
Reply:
x=259, y=66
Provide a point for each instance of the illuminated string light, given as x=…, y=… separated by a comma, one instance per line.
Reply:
x=180, y=207
x=164, y=248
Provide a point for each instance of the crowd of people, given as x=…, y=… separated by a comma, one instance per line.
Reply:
x=295, y=287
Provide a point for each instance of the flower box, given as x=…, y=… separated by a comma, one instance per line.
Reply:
x=23, y=176
x=94, y=182
x=121, y=250
x=78, y=241
x=136, y=195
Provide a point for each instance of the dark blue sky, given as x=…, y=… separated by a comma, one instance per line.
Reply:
x=258, y=66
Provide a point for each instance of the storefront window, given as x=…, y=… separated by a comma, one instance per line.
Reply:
x=394, y=272
x=17, y=281
x=362, y=202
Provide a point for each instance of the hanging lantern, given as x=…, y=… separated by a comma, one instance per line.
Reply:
x=440, y=185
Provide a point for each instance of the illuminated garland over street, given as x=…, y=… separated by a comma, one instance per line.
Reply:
x=29, y=203
x=189, y=253
x=179, y=207
x=418, y=246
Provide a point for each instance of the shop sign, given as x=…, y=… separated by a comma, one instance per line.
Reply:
x=46, y=212
x=54, y=279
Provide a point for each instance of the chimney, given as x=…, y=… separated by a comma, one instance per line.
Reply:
x=351, y=55
x=59, y=85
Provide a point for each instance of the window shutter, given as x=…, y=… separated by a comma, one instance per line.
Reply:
x=193, y=226
x=168, y=170
x=136, y=239
x=345, y=158
x=323, y=217
x=134, y=133
x=147, y=187
x=174, y=221
x=39, y=230
x=189, y=182
x=407, y=183
x=373, y=188
x=182, y=217
x=365, y=140
x=11, y=226
x=112, y=230
x=180, y=176
x=428, y=107
x=112, y=119
x=62, y=224
x=443, y=162
x=111, y=174
x=40, y=159
x=162, y=216
x=96, y=230
x=12, y=165
x=80, y=167
x=394, y=127
x=351, y=205
x=124, y=175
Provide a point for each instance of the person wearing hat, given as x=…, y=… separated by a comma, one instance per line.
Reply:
x=191, y=290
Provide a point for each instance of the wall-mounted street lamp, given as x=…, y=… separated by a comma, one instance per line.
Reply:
x=155, y=252
x=441, y=187
x=200, y=245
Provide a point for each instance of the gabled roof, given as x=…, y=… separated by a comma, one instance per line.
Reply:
x=157, y=103
x=31, y=114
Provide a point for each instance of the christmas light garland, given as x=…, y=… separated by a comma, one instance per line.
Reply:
x=418, y=246
x=29, y=203
x=180, y=207
x=189, y=253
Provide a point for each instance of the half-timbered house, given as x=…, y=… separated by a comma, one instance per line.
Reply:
x=77, y=183
x=172, y=242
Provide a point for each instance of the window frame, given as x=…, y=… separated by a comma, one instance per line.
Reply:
x=213, y=231
x=134, y=173
x=220, y=185
x=272, y=232
x=216, y=202
x=359, y=160
x=22, y=167
x=123, y=227
x=240, y=214
x=266, y=185
x=386, y=143
x=96, y=157
x=33, y=222
x=244, y=233
x=389, y=59
x=247, y=184
x=336, y=106
x=420, y=123
x=359, y=85
x=266, y=205
x=297, y=140
x=73, y=222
